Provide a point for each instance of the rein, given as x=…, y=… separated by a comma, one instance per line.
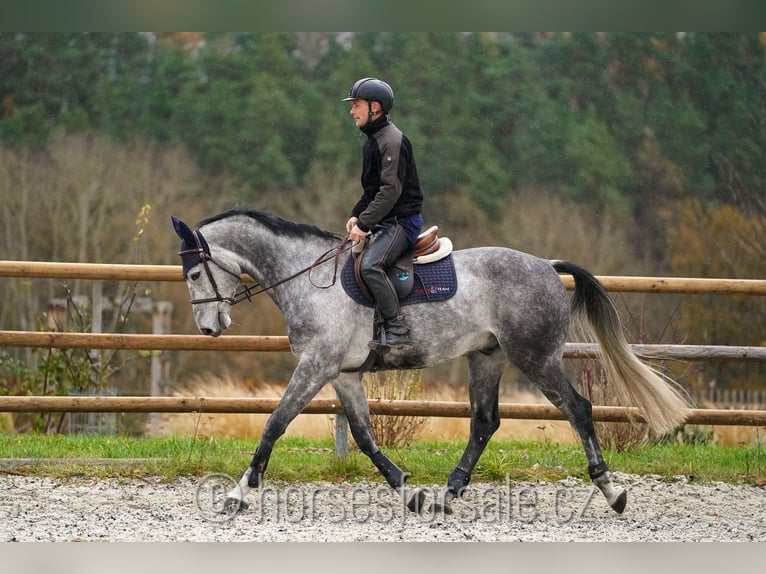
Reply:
x=248, y=291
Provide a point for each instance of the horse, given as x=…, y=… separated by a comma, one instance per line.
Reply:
x=510, y=307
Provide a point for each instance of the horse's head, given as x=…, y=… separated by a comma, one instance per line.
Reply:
x=212, y=283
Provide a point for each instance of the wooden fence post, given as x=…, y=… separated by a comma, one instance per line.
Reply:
x=341, y=435
x=160, y=361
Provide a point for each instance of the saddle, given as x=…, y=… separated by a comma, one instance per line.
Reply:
x=429, y=248
x=429, y=261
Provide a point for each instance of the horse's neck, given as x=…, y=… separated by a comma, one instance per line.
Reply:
x=271, y=258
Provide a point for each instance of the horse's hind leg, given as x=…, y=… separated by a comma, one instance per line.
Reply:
x=552, y=381
x=485, y=370
x=352, y=396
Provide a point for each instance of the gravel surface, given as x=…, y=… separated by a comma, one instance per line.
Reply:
x=79, y=509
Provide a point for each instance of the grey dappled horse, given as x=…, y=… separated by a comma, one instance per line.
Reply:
x=511, y=307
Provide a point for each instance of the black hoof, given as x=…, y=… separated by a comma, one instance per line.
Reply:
x=254, y=480
x=439, y=508
x=416, y=500
x=619, y=505
x=233, y=505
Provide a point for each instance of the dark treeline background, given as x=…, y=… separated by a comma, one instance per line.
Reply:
x=633, y=154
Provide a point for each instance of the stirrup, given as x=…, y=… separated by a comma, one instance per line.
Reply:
x=386, y=340
x=397, y=341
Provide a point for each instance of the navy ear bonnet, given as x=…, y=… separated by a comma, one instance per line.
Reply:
x=193, y=246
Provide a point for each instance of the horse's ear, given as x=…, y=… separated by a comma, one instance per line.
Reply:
x=182, y=230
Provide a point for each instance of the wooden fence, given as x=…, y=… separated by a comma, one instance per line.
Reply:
x=452, y=409
x=122, y=272
x=327, y=406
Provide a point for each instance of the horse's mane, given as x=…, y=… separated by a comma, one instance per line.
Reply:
x=274, y=223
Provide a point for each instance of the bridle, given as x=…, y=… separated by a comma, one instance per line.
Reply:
x=247, y=292
x=202, y=254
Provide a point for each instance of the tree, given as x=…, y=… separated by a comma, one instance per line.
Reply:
x=706, y=243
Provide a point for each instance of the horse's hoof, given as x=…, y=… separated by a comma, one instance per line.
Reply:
x=441, y=504
x=619, y=504
x=440, y=508
x=414, y=499
x=233, y=505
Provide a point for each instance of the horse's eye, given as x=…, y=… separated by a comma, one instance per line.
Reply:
x=194, y=276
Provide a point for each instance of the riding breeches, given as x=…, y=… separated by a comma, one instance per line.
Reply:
x=386, y=246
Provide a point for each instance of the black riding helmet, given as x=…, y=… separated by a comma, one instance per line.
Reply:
x=372, y=89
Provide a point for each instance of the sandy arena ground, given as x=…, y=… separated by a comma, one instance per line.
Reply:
x=42, y=509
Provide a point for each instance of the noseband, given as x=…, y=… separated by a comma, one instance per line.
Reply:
x=201, y=255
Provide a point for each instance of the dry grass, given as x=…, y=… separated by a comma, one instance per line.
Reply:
x=239, y=425
x=321, y=426
x=442, y=428
x=728, y=435
x=733, y=435
x=435, y=428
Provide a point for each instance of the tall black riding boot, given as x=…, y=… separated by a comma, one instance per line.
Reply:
x=398, y=333
x=394, y=334
x=386, y=246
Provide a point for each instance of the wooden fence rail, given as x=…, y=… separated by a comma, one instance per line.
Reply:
x=330, y=406
x=124, y=272
x=57, y=340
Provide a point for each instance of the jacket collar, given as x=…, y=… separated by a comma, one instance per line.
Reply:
x=371, y=127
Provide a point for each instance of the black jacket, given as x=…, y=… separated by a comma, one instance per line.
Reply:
x=390, y=183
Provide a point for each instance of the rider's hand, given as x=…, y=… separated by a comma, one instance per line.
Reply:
x=350, y=224
x=356, y=234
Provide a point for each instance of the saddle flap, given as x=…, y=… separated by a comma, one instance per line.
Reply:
x=401, y=276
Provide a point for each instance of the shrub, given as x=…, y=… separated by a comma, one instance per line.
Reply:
x=390, y=430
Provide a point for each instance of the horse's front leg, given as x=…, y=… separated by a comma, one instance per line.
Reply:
x=307, y=380
x=353, y=397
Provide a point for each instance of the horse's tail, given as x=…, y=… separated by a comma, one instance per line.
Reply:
x=663, y=403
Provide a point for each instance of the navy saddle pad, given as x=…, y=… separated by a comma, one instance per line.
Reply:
x=435, y=281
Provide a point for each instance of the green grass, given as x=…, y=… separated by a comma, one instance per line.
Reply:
x=297, y=459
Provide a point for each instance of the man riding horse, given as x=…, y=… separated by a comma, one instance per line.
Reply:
x=389, y=209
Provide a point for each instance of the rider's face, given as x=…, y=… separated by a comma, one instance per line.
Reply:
x=360, y=110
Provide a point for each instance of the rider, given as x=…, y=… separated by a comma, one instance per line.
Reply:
x=390, y=206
